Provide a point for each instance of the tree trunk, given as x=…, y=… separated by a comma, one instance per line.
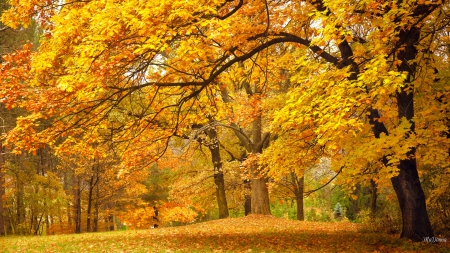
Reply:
x=373, y=199
x=247, y=197
x=68, y=186
x=218, y=173
x=300, y=212
x=77, y=201
x=111, y=222
x=260, y=196
x=47, y=220
x=89, y=207
x=2, y=192
x=19, y=195
x=416, y=224
x=260, y=193
x=353, y=208
x=220, y=194
x=410, y=195
x=97, y=196
x=298, y=191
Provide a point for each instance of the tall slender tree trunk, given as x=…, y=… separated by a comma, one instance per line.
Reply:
x=218, y=173
x=2, y=192
x=353, y=209
x=47, y=220
x=19, y=195
x=92, y=184
x=220, y=195
x=111, y=222
x=298, y=191
x=373, y=199
x=77, y=202
x=68, y=181
x=97, y=196
x=89, y=207
x=247, y=197
x=19, y=200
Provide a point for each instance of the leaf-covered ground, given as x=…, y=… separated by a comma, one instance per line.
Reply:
x=248, y=234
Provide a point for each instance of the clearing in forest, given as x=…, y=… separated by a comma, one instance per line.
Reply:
x=248, y=234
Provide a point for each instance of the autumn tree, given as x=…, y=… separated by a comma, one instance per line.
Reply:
x=10, y=39
x=2, y=191
x=365, y=73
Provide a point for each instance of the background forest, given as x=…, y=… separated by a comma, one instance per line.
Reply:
x=126, y=114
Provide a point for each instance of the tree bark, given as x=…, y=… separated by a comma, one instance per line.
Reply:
x=89, y=207
x=410, y=195
x=373, y=199
x=111, y=222
x=68, y=186
x=19, y=195
x=260, y=204
x=260, y=196
x=77, y=201
x=247, y=197
x=260, y=193
x=416, y=224
x=97, y=197
x=298, y=184
x=220, y=194
x=353, y=208
x=218, y=173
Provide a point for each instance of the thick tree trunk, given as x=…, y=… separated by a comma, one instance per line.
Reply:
x=218, y=173
x=258, y=202
x=2, y=192
x=260, y=193
x=260, y=196
x=416, y=224
x=300, y=211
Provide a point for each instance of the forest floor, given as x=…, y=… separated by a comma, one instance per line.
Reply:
x=247, y=234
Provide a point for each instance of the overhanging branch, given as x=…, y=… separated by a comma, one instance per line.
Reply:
x=307, y=193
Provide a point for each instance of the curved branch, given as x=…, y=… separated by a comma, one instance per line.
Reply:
x=286, y=37
x=306, y=194
x=235, y=9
